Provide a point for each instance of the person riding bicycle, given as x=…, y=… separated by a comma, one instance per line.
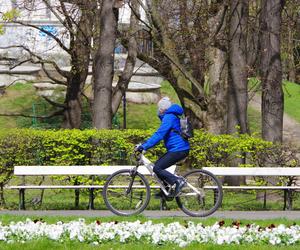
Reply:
x=177, y=147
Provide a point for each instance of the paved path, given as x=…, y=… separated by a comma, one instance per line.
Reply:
x=234, y=215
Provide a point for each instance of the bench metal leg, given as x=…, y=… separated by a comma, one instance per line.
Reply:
x=289, y=199
x=265, y=200
x=91, y=199
x=163, y=204
x=284, y=199
x=21, y=199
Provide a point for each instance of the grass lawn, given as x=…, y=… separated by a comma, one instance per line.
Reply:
x=21, y=97
x=292, y=100
x=65, y=199
x=48, y=244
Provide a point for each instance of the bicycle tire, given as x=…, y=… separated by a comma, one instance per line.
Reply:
x=216, y=195
x=118, y=207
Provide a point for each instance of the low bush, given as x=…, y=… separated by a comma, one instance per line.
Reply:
x=114, y=147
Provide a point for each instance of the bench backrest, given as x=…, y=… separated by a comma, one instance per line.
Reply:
x=77, y=170
x=264, y=171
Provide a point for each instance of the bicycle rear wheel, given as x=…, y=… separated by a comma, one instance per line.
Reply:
x=202, y=195
x=126, y=194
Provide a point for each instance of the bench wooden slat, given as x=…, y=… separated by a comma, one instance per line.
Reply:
x=77, y=170
x=262, y=187
x=265, y=171
x=68, y=187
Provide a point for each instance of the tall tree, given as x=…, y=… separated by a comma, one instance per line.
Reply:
x=75, y=16
x=80, y=45
x=130, y=39
x=238, y=81
x=217, y=71
x=237, y=98
x=180, y=35
x=104, y=66
x=271, y=70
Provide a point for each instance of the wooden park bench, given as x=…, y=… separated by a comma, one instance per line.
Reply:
x=288, y=188
x=91, y=171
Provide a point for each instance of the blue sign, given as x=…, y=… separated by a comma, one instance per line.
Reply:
x=47, y=28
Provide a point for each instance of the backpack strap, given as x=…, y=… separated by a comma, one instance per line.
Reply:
x=178, y=132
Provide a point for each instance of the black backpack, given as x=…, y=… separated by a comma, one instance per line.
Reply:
x=186, y=128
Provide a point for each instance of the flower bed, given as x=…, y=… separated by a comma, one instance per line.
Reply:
x=175, y=233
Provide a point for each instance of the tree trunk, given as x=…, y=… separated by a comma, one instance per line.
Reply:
x=80, y=58
x=291, y=67
x=72, y=113
x=127, y=73
x=252, y=38
x=2, y=199
x=104, y=66
x=218, y=76
x=237, y=83
x=271, y=70
x=217, y=108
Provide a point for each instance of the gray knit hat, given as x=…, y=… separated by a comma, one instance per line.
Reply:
x=164, y=103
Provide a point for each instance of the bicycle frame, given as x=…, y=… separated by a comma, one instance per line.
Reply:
x=144, y=161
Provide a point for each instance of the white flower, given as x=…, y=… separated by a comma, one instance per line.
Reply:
x=175, y=233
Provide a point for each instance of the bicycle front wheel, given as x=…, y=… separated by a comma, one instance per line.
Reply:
x=202, y=195
x=126, y=194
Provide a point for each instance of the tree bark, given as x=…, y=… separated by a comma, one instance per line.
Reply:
x=104, y=66
x=166, y=61
x=80, y=57
x=237, y=99
x=127, y=73
x=237, y=84
x=291, y=67
x=271, y=70
x=218, y=75
x=218, y=87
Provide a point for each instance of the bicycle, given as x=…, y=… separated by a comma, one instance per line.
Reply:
x=127, y=192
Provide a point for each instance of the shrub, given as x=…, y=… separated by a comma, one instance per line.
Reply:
x=114, y=147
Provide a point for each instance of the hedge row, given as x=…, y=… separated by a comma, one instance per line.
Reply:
x=114, y=147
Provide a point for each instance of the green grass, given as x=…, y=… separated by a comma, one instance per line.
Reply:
x=47, y=244
x=208, y=221
x=61, y=199
x=292, y=100
x=20, y=98
x=254, y=120
x=17, y=99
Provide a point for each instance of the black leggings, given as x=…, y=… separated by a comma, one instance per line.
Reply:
x=167, y=160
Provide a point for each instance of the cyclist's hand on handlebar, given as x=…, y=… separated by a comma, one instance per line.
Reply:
x=138, y=148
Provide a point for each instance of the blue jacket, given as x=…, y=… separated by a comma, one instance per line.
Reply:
x=173, y=141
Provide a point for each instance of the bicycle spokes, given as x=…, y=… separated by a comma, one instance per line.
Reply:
x=202, y=195
x=125, y=194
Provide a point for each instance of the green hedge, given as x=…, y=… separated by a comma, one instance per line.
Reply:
x=114, y=147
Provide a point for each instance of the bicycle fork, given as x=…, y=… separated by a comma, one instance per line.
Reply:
x=133, y=173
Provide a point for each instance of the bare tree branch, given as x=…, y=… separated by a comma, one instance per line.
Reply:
x=68, y=19
x=41, y=60
x=53, y=103
x=55, y=113
x=70, y=29
x=59, y=42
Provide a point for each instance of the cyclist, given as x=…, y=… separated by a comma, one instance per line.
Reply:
x=177, y=147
